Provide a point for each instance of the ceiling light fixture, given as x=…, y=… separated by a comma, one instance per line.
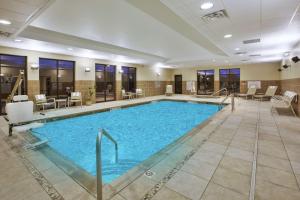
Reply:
x=70, y=49
x=207, y=5
x=18, y=40
x=227, y=36
x=286, y=54
x=237, y=49
x=5, y=22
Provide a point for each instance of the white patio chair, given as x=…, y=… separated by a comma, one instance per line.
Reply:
x=271, y=91
x=169, y=90
x=285, y=101
x=41, y=100
x=75, y=98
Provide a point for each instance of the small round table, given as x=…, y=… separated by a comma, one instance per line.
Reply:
x=60, y=101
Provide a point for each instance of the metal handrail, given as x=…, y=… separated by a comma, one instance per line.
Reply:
x=223, y=89
x=98, y=159
x=232, y=101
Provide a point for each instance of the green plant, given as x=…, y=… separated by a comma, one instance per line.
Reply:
x=91, y=92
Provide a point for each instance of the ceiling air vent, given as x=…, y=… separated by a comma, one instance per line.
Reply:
x=255, y=55
x=251, y=41
x=215, y=16
x=4, y=34
x=241, y=53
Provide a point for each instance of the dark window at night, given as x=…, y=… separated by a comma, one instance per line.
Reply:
x=205, y=81
x=129, y=79
x=105, y=82
x=230, y=79
x=10, y=66
x=56, y=77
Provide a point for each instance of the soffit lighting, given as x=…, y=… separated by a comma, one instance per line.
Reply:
x=228, y=36
x=207, y=5
x=5, y=22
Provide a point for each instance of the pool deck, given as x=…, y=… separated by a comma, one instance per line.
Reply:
x=251, y=153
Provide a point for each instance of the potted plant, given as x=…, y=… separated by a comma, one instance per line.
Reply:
x=91, y=93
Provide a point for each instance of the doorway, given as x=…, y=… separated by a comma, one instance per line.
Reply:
x=105, y=82
x=178, y=84
x=10, y=68
x=230, y=79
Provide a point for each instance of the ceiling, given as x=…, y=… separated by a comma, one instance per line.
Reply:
x=170, y=32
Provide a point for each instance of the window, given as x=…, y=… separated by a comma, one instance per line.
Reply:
x=10, y=67
x=205, y=81
x=105, y=82
x=230, y=79
x=129, y=79
x=56, y=77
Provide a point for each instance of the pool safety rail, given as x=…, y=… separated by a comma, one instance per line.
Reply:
x=223, y=102
x=101, y=133
x=219, y=91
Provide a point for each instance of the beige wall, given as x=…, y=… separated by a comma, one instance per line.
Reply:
x=291, y=72
x=144, y=73
x=263, y=71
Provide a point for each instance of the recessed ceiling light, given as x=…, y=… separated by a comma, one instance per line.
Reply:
x=237, y=49
x=214, y=60
x=226, y=61
x=70, y=49
x=5, y=22
x=18, y=40
x=227, y=36
x=286, y=54
x=207, y=5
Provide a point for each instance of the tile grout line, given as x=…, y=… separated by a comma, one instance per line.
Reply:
x=283, y=143
x=254, y=163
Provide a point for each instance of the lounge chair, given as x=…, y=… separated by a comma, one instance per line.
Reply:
x=75, y=98
x=169, y=90
x=269, y=93
x=126, y=95
x=250, y=93
x=41, y=100
x=139, y=93
x=285, y=101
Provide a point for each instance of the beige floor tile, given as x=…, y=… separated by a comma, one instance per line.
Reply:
x=296, y=167
x=274, y=162
x=293, y=152
x=188, y=185
x=207, y=156
x=199, y=168
x=217, y=192
x=269, y=137
x=232, y=180
x=219, y=140
x=166, y=193
x=217, y=148
x=138, y=188
x=117, y=197
x=239, y=153
x=69, y=189
x=246, y=144
x=268, y=191
x=276, y=176
x=272, y=149
x=237, y=165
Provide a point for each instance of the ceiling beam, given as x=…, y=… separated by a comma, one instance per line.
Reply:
x=162, y=13
x=73, y=41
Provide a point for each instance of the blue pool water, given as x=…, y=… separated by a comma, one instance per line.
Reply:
x=140, y=132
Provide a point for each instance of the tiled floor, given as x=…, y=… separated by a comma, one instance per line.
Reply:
x=252, y=153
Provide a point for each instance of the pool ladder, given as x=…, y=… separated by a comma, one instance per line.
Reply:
x=223, y=102
x=101, y=133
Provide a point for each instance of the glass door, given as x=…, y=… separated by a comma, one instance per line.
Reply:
x=129, y=79
x=230, y=79
x=10, y=67
x=178, y=84
x=105, y=82
x=205, y=81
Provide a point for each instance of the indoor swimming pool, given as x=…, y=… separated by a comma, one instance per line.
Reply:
x=140, y=131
